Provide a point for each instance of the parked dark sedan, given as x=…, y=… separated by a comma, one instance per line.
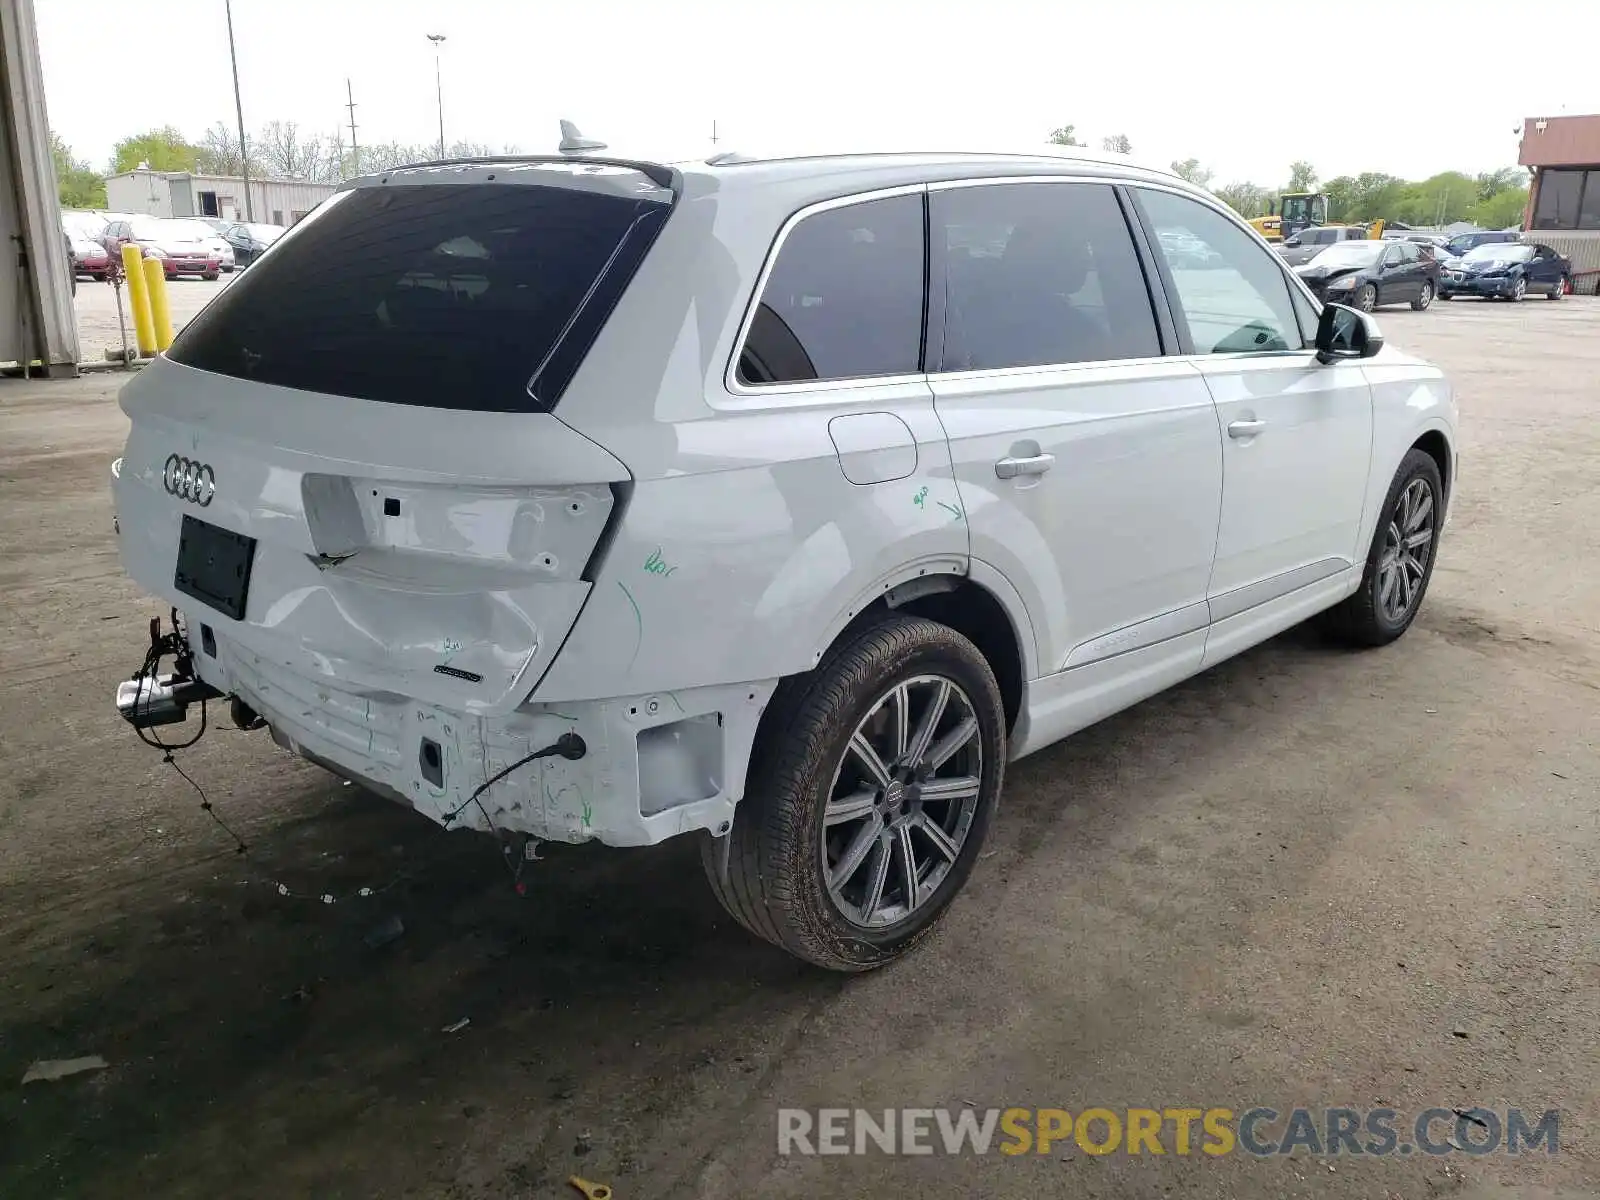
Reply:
x=1367, y=274
x=1507, y=269
x=250, y=241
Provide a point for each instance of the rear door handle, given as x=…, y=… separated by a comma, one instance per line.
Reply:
x=1244, y=429
x=1037, y=464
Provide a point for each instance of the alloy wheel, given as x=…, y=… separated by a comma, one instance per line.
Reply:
x=1367, y=300
x=1519, y=289
x=1407, y=543
x=902, y=801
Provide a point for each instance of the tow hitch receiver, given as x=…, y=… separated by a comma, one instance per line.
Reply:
x=150, y=698
x=145, y=701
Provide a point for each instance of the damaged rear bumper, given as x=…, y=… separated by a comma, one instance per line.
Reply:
x=652, y=766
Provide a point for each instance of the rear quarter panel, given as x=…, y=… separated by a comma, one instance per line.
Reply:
x=744, y=548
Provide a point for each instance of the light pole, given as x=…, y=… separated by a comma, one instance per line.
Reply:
x=238, y=108
x=438, y=84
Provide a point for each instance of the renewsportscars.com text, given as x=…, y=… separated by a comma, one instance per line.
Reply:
x=1261, y=1131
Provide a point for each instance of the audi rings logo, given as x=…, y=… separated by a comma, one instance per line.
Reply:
x=188, y=480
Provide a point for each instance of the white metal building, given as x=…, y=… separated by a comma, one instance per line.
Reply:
x=180, y=194
x=37, y=320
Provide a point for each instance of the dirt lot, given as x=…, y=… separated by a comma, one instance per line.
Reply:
x=1307, y=877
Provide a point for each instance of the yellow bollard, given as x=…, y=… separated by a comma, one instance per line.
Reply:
x=155, y=278
x=139, y=300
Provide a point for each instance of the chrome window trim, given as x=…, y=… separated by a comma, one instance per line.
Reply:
x=1094, y=364
x=946, y=185
x=730, y=375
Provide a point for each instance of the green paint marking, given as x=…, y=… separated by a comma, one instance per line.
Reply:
x=656, y=565
x=587, y=813
x=638, y=624
x=920, y=497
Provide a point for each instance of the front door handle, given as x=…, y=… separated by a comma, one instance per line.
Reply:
x=1035, y=464
x=1244, y=429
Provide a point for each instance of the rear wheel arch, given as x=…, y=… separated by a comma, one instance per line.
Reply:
x=970, y=608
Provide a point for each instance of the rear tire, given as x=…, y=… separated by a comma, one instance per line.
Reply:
x=816, y=862
x=1394, y=582
x=210, y=278
x=1425, y=299
x=1559, y=290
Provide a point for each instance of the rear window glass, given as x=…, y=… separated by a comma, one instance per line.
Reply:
x=441, y=295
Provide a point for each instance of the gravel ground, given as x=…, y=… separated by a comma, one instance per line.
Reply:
x=1308, y=876
x=98, y=329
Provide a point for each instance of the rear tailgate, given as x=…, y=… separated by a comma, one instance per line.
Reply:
x=370, y=406
x=384, y=550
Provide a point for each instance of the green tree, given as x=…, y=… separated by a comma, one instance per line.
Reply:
x=1117, y=143
x=1190, y=169
x=1341, y=193
x=78, y=185
x=1492, y=183
x=162, y=149
x=1500, y=211
x=1246, y=199
x=1437, y=200
x=1065, y=136
x=1302, y=177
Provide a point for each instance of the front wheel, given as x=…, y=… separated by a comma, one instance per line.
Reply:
x=1519, y=289
x=1400, y=561
x=1560, y=289
x=1424, y=297
x=1367, y=298
x=210, y=277
x=872, y=786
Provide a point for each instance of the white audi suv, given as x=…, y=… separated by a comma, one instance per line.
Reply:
x=777, y=502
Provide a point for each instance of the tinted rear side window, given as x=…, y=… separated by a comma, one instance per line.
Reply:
x=1039, y=273
x=843, y=299
x=441, y=295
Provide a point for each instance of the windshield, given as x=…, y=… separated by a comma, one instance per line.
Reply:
x=186, y=229
x=1460, y=244
x=1499, y=251
x=83, y=224
x=1350, y=254
x=265, y=234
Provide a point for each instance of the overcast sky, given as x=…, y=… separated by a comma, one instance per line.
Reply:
x=1244, y=87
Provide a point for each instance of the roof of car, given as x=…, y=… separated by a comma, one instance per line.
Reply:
x=731, y=169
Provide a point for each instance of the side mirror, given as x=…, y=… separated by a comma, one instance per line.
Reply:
x=1294, y=241
x=1343, y=332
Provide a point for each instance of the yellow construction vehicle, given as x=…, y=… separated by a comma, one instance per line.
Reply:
x=1294, y=211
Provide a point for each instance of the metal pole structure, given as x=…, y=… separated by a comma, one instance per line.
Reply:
x=355, y=150
x=438, y=83
x=238, y=108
